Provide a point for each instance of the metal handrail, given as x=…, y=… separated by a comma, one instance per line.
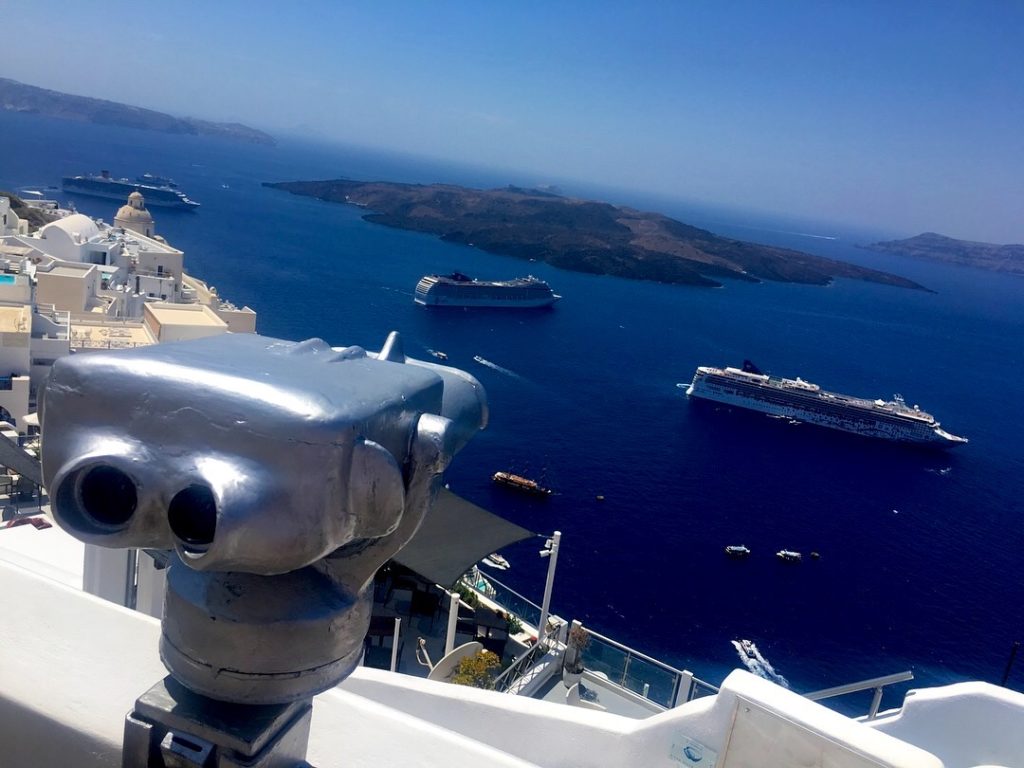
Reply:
x=508, y=676
x=878, y=683
x=493, y=580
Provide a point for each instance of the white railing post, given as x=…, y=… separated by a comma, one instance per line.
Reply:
x=394, y=644
x=684, y=687
x=453, y=619
x=551, y=552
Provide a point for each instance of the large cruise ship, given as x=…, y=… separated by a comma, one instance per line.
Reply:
x=103, y=185
x=459, y=290
x=806, y=402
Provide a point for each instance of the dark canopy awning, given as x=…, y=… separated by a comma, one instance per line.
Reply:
x=455, y=536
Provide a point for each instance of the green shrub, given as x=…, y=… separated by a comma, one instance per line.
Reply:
x=467, y=595
x=478, y=670
x=515, y=626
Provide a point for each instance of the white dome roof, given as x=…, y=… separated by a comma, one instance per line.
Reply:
x=76, y=223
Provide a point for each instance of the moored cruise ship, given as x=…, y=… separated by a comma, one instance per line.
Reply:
x=459, y=290
x=104, y=185
x=806, y=402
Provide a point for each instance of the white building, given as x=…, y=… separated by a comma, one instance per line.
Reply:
x=10, y=222
x=77, y=285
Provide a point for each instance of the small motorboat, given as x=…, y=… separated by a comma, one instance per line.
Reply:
x=789, y=556
x=438, y=354
x=494, y=560
x=737, y=551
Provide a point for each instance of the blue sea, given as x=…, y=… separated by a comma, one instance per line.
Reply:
x=921, y=558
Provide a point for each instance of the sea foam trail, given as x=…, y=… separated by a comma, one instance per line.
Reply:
x=496, y=367
x=756, y=663
x=782, y=231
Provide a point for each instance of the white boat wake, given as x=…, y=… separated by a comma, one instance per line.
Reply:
x=496, y=367
x=816, y=237
x=784, y=232
x=756, y=663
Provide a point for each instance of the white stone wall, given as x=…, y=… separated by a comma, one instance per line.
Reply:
x=15, y=399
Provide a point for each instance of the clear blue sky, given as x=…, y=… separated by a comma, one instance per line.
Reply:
x=904, y=115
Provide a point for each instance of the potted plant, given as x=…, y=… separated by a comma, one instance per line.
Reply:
x=468, y=595
x=515, y=626
x=572, y=661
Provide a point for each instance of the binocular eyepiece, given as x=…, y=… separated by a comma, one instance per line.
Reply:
x=254, y=459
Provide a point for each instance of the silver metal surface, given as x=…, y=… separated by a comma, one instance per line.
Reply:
x=281, y=474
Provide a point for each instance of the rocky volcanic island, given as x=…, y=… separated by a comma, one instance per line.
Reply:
x=967, y=253
x=581, y=235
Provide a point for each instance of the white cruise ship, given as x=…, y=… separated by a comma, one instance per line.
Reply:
x=806, y=402
x=158, y=190
x=459, y=290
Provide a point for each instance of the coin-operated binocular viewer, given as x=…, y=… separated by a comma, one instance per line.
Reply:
x=282, y=475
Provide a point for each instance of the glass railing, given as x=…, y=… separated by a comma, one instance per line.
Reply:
x=643, y=675
x=631, y=670
x=506, y=597
x=659, y=683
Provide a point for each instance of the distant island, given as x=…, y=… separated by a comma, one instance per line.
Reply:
x=20, y=97
x=580, y=235
x=935, y=247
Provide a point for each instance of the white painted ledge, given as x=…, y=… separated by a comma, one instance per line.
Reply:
x=966, y=724
x=72, y=665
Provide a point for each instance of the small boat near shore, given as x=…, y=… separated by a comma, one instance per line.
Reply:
x=520, y=483
x=494, y=560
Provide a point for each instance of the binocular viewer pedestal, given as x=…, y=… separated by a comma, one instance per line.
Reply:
x=282, y=475
x=173, y=727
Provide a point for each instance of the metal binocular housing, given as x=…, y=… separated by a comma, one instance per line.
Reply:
x=281, y=474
